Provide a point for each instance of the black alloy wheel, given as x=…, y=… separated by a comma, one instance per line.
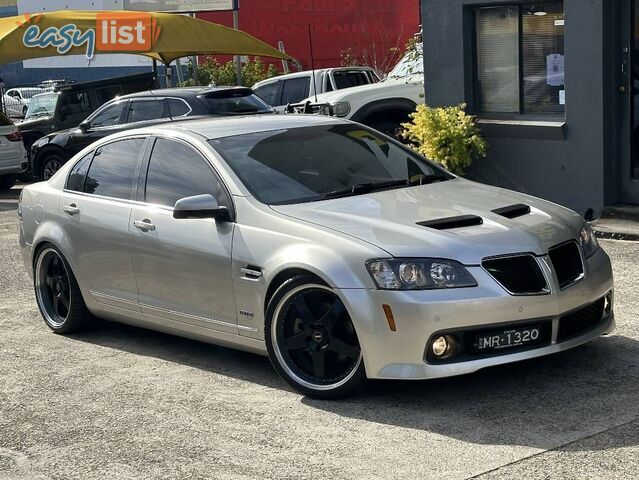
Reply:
x=58, y=295
x=312, y=341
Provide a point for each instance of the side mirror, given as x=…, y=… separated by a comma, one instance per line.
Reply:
x=84, y=126
x=200, y=206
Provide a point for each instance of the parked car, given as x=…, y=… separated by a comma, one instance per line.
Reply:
x=13, y=156
x=136, y=110
x=295, y=87
x=70, y=103
x=324, y=244
x=16, y=100
x=384, y=105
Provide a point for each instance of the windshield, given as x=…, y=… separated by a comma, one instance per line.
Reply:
x=314, y=163
x=351, y=78
x=411, y=64
x=235, y=102
x=42, y=105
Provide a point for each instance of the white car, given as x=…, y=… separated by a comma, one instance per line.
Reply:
x=295, y=87
x=384, y=105
x=16, y=100
x=13, y=156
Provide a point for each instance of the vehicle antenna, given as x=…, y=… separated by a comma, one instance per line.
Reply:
x=167, y=104
x=310, y=42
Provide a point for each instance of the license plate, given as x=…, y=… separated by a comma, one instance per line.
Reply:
x=514, y=337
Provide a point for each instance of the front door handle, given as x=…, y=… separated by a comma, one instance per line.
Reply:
x=71, y=209
x=144, y=225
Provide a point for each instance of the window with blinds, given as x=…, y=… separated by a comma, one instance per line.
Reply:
x=520, y=58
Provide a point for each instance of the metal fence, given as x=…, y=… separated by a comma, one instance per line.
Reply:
x=15, y=100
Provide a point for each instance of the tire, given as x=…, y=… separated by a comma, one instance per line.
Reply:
x=389, y=128
x=311, y=340
x=7, y=181
x=52, y=277
x=49, y=165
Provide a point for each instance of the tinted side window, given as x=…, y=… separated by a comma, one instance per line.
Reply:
x=109, y=116
x=79, y=173
x=112, y=172
x=74, y=103
x=177, y=107
x=144, y=110
x=295, y=90
x=177, y=171
x=268, y=93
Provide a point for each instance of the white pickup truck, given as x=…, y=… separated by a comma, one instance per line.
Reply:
x=384, y=105
x=294, y=87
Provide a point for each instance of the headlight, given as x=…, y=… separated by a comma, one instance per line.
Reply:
x=341, y=109
x=419, y=274
x=588, y=241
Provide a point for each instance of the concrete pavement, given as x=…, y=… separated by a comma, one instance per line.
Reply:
x=125, y=403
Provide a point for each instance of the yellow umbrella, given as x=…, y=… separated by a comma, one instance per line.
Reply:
x=161, y=36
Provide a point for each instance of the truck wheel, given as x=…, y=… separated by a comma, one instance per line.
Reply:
x=389, y=128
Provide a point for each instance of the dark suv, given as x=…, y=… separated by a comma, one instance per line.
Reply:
x=137, y=110
x=66, y=103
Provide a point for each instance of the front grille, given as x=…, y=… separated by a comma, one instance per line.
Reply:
x=567, y=263
x=519, y=275
x=580, y=321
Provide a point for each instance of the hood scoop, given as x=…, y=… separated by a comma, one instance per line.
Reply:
x=513, y=211
x=453, y=222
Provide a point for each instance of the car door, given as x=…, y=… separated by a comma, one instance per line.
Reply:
x=103, y=122
x=97, y=205
x=182, y=267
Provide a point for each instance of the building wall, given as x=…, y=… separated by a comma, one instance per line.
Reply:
x=565, y=165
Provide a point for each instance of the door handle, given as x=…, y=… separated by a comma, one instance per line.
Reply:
x=144, y=225
x=71, y=209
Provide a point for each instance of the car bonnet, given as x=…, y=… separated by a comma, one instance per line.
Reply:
x=455, y=219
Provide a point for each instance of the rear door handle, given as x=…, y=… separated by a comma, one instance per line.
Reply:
x=71, y=209
x=144, y=225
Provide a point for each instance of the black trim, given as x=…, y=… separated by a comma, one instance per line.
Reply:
x=453, y=222
x=466, y=337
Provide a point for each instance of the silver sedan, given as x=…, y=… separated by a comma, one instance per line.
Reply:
x=319, y=242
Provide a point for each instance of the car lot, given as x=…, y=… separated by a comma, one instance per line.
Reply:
x=128, y=403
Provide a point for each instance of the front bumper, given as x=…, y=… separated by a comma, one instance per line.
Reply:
x=401, y=354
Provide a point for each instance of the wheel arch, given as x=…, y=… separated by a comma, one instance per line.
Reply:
x=282, y=276
x=50, y=149
x=396, y=105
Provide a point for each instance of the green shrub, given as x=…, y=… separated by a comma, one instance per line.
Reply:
x=224, y=74
x=448, y=136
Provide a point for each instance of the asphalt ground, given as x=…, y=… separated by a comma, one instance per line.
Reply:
x=125, y=403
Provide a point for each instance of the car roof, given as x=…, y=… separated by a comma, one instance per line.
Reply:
x=219, y=127
x=180, y=92
x=306, y=73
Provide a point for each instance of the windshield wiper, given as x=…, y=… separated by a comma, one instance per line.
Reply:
x=38, y=115
x=362, y=188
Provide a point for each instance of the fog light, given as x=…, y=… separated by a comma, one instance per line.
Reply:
x=440, y=346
